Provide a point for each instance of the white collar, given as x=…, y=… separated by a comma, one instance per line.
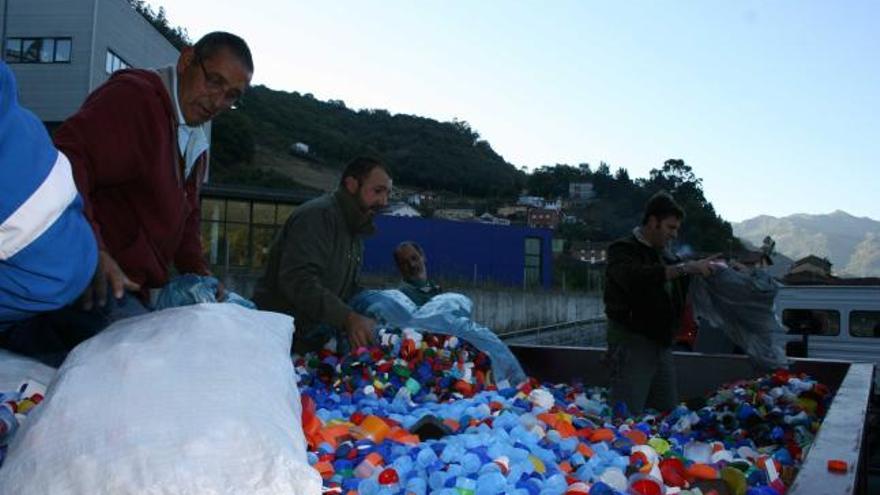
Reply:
x=176, y=99
x=637, y=233
x=191, y=140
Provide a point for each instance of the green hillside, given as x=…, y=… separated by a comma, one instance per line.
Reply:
x=422, y=152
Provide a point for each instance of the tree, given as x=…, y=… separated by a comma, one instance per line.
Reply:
x=232, y=139
x=177, y=36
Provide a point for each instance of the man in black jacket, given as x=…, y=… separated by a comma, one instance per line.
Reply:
x=315, y=262
x=645, y=290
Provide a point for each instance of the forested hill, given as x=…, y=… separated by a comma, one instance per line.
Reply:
x=620, y=202
x=422, y=152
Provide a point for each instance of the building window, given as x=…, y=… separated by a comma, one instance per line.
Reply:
x=114, y=62
x=864, y=323
x=239, y=233
x=38, y=50
x=532, y=273
x=812, y=321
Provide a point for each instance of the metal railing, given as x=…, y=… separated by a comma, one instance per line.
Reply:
x=580, y=333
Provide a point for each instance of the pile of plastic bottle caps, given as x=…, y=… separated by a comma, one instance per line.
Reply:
x=419, y=413
x=14, y=407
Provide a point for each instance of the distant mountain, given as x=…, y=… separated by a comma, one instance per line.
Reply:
x=852, y=244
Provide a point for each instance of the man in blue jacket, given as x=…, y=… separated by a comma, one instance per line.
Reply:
x=48, y=253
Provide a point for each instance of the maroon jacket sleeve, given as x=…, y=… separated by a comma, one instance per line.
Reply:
x=107, y=139
x=189, y=257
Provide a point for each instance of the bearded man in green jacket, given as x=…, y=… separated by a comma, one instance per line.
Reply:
x=315, y=262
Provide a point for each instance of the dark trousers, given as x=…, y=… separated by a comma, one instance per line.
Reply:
x=642, y=372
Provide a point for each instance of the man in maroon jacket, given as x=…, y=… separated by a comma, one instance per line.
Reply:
x=138, y=147
x=138, y=151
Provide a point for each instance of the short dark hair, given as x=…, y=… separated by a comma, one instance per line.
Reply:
x=360, y=168
x=662, y=206
x=211, y=43
x=404, y=244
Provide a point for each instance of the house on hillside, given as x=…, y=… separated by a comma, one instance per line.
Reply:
x=421, y=198
x=815, y=265
x=401, y=210
x=299, y=149
x=581, y=191
x=544, y=218
x=570, y=219
x=553, y=205
x=457, y=214
x=512, y=211
x=530, y=201
x=492, y=219
x=810, y=270
x=589, y=251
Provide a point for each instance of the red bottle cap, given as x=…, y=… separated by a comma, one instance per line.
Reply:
x=388, y=477
x=837, y=466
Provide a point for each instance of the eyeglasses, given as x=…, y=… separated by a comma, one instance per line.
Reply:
x=216, y=84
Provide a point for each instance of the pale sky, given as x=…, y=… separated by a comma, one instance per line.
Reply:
x=775, y=104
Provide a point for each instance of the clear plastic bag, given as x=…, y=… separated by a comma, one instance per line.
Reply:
x=448, y=314
x=741, y=305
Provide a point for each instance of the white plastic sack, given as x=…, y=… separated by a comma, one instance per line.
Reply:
x=741, y=304
x=198, y=400
x=16, y=370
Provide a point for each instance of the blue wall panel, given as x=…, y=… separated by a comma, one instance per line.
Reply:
x=460, y=249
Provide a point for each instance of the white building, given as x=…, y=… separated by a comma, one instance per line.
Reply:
x=402, y=210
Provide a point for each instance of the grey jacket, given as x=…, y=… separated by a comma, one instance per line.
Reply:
x=314, y=264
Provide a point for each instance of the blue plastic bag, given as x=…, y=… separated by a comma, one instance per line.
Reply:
x=189, y=289
x=448, y=314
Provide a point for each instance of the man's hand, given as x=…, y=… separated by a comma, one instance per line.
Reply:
x=221, y=292
x=701, y=267
x=359, y=329
x=108, y=272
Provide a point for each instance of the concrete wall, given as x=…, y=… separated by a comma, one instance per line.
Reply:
x=508, y=310
x=501, y=310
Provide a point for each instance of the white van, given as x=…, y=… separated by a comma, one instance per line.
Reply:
x=830, y=321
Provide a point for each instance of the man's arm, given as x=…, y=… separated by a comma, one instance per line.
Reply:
x=305, y=257
x=100, y=142
x=627, y=269
x=307, y=248
x=113, y=129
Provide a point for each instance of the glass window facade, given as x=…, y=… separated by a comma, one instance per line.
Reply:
x=239, y=233
x=37, y=50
